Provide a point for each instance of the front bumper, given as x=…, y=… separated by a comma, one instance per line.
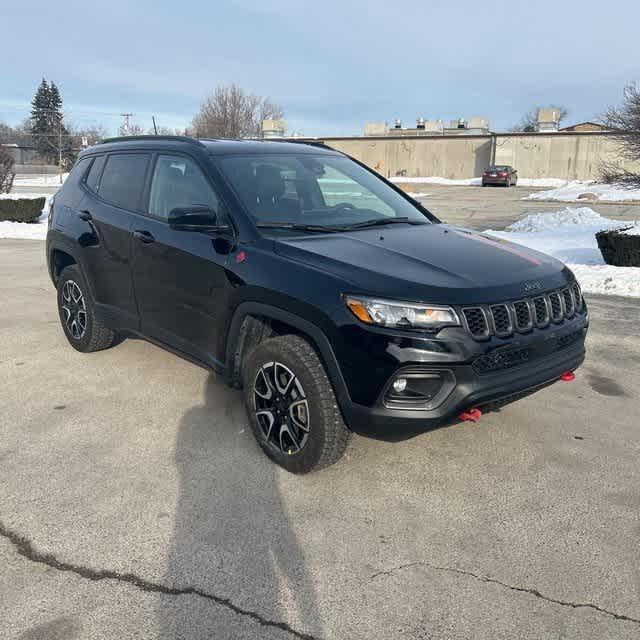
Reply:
x=471, y=389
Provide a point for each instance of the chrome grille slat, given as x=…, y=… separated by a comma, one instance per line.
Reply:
x=568, y=302
x=557, y=310
x=541, y=311
x=476, y=321
x=502, y=323
x=522, y=315
x=505, y=318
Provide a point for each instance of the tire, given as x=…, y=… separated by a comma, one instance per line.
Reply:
x=309, y=395
x=75, y=303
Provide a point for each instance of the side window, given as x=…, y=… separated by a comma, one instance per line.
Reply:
x=179, y=182
x=122, y=181
x=79, y=170
x=93, y=176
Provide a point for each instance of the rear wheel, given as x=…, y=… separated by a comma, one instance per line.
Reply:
x=292, y=407
x=77, y=314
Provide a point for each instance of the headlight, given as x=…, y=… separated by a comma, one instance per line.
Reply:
x=402, y=315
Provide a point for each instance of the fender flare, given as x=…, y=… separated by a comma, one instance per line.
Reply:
x=313, y=333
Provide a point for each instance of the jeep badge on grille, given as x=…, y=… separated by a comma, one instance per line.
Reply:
x=532, y=286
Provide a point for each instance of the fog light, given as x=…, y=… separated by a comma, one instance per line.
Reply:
x=400, y=385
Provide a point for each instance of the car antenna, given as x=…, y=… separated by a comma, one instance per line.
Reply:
x=154, y=124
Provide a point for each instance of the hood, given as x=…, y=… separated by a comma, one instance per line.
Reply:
x=435, y=263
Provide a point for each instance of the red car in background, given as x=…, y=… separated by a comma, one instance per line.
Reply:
x=500, y=174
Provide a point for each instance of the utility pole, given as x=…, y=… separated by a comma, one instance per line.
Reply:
x=60, y=147
x=125, y=124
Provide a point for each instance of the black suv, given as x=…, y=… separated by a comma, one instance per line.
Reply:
x=332, y=298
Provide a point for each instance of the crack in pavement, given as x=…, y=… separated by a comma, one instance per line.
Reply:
x=533, y=592
x=25, y=548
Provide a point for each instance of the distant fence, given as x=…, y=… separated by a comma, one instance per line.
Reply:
x=566, y=155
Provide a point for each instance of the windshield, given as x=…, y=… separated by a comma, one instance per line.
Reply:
x=316, y=191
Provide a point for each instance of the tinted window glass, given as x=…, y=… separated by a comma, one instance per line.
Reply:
x=179, y=182
x=123, y=179
x=94, y=173
x=79, y=169
x=317, y=190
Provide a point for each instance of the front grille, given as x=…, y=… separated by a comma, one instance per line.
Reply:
x=541, y=311
x=577, y=296
x=501, y=359
x=521, y=316
x=505, y=358
x=476, y=322
x=567, y=298
x=501, y=320
x=568, y=339
x=556, y=307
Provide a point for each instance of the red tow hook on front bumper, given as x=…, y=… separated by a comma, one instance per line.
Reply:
x=568, y=376
x=470, y=415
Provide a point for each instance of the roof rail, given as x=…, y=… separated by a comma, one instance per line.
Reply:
x=313, y=142
x=151, y=137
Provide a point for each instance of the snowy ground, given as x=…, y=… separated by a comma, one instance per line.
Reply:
x=40, y=180
x=35, y=230
x=587, y=190
x=569, y=235
x=24, y=230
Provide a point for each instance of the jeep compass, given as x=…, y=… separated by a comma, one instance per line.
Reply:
x=334, y=300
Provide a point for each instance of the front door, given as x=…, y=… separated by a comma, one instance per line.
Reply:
x=179, y=278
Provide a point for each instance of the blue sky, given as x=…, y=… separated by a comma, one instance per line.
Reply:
x=333, y=65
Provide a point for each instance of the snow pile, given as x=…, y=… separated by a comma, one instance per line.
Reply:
x=40, y=180
x=418, y=194
x=541, y=182
x=569, y=235
x=26, y=230
x=568, y=219
x=587, y=190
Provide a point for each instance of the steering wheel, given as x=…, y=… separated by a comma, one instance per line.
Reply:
x=344, y=205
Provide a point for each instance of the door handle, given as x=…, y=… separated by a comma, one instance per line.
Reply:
x=85, y=215
x=143, y=236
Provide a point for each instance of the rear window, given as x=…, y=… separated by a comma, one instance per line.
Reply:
x=499, y=168
x=122, y=181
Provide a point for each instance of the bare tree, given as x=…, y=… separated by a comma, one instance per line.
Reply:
x=6, y=171
x=625, y=122
x=529, y=120
x=231, y=112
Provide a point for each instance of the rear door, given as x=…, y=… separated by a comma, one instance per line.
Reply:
x=115, y=186
x=180, y=279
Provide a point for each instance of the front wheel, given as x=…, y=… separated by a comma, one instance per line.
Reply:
x=292, y=407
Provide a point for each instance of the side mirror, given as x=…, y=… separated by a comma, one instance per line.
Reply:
x=193, y=218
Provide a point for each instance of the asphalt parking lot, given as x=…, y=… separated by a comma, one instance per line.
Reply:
x=497, y=207
x=134, y=502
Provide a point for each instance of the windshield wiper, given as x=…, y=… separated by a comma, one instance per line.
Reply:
x=318, y=228
x=380, y=221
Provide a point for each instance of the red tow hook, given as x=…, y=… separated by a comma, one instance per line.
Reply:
x=470, y=415
x=568, y=376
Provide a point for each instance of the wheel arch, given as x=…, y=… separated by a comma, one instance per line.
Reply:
x=253, y=322
x=59, y=259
